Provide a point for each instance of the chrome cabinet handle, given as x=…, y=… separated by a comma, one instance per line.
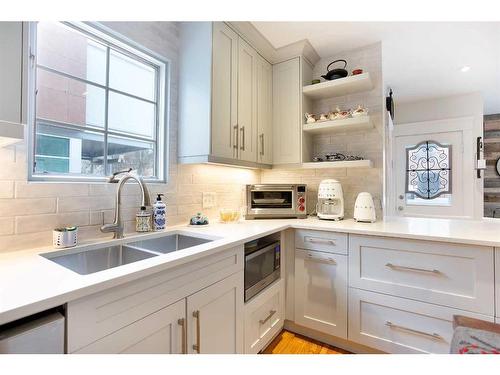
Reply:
x=242, y=147
x=329, y=260
x=182, y=323
x=196, y=314
x=434, y=336
x=271, y=313
x=415, y=269
x=317, y=240
x=261, y=136
x=235, y=139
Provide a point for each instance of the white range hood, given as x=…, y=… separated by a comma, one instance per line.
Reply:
x=10, y=133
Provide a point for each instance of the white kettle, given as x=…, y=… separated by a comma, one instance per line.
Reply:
x=364, y=208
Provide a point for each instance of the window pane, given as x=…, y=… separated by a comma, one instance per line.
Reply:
x=131, y=115
x=126, y=153
x=140, y=79
x=46, y=164
x=64, y=99
x=62, y=48
x=52, y=146
x=85, y=151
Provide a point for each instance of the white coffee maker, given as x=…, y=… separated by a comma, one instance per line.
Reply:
x=330, y=204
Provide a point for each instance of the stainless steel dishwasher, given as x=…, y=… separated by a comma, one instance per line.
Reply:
x=41, y=333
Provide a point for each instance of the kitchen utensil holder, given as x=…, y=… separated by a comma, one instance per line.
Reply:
x=65, y=237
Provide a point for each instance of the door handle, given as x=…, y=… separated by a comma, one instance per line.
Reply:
x=435, y=336
x=264, y=321
x=182, y=323
x=235, y=135
x=415, y=269
x=196, y=315
x=261, y=144
x=318, y=240
x=242, y=146
x=319, y=259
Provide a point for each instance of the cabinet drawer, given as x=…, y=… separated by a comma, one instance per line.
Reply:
x=321, y=291
x=158, y=333
x=264, y=317
x=397, y=325
x=451, y=275
x=98, y=315
x=321, y=241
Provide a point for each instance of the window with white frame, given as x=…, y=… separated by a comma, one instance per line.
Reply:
x=99, y=105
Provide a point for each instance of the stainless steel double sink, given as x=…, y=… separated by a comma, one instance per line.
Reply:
x=86, y=262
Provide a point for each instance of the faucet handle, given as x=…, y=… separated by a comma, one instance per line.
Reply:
x=113, y=179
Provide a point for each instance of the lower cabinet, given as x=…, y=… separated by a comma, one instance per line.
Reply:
x=162, y=332
x=321, y=291
x=398, y=325
x=264, y=317
x=215, y=318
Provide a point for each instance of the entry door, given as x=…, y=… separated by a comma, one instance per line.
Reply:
x=434, y=167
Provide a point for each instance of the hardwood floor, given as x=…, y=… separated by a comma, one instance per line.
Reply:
x=291, y=343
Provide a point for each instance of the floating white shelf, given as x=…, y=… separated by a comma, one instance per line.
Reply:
x=339, y=87
x=339, y=164
x=332, y=126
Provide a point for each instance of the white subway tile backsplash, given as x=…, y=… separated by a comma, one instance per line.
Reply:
x=38, y=189
x=21, y=207
x=38, y=223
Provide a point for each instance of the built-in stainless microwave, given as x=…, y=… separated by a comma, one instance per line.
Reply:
x=262, y=265
x=276, y=201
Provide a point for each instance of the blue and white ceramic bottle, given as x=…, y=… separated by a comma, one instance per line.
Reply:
x=159, y=214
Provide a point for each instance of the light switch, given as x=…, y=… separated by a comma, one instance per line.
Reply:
x=208, y=200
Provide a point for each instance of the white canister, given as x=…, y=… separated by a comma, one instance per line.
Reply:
x=65, y=237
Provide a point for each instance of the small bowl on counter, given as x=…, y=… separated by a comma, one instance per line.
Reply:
x=229, y=215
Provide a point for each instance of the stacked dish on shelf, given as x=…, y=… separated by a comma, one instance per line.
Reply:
x=337, y=114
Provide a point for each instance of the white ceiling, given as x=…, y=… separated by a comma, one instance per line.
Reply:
x=420, y=59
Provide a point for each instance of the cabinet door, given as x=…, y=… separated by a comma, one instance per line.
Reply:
x=163, y=332
x=215, y=318
x=264, y=111
x=224, y=91
x=11, y=44
x=287, y=121
x=321, y=291
x=247, y=102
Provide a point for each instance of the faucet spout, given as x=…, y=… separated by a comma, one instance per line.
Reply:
x=117, y=226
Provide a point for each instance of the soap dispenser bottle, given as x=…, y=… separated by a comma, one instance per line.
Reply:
x=159, y=214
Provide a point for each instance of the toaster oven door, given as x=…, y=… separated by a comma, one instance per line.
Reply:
x=275, y=200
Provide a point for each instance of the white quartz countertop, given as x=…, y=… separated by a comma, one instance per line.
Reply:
x=30, y=283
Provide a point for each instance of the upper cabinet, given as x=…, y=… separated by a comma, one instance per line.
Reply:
x=264, y=111
x=287, y=125
x=224, y=98
x=11, y=57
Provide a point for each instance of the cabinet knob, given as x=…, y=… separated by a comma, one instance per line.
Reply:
x=400, y=208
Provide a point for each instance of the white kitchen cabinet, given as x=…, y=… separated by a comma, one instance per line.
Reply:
x=218, y=96
x=264, y=111
x=247, y=101
x=97, y=316
x=215, y=318
x=328, y=242
x=398, y=325
x=321, y=291
x=287, y=121
x=458, y=276
x=163, y=332
x=11, y=57
x=264, y=317
x=497, y=281
x=225, y=90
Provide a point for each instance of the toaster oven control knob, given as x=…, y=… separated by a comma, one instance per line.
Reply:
x=301, y=208
x=301, y=200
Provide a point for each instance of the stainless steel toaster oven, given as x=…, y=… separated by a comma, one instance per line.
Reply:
x=273, y=201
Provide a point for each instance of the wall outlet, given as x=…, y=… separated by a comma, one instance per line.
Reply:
x=208, y=200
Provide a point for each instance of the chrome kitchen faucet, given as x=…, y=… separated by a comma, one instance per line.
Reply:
x=117, y=226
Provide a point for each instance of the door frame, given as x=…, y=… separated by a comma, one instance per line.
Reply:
x=467, y=125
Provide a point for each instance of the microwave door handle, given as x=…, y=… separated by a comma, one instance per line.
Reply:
x=259, y=252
